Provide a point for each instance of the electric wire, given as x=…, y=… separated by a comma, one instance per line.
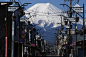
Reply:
x=20, y=2
x=41, y=12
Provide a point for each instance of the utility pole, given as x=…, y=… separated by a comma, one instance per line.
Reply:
x=18, y=39
x=70, y=26
x=69, y=40
x=83, y=34
x=75, y=40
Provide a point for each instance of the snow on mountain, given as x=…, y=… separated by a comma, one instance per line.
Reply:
x=47, y=18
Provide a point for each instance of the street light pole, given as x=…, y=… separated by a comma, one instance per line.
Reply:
x=69, y=28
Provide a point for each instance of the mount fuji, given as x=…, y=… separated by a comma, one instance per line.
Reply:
x=45, y=17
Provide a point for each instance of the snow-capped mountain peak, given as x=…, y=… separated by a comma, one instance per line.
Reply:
x=47, y=18
x=44, y=7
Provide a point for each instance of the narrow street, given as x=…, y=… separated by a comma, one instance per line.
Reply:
x=48, y=28
x=52, y=54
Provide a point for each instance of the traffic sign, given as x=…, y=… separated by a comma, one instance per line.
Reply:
x=23, y=32
x=23, y=36
x=22, y=40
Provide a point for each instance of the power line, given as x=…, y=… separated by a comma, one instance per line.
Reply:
x=20, y=2
x=44, y=12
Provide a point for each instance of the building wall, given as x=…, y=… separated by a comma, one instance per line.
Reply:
x=3, y=30
x=79, y=37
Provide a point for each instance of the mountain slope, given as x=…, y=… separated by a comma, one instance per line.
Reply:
x=47, y=18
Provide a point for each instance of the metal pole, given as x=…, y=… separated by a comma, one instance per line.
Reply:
x=18, y=34
x=75, y=42
x=22, y=49
x=69, y=30
x=83, y=34
x=61, y=20
x=35, y=46
x=18, y=40
x=70, y=3
x=26, y=39
x=13, y=1
x=12, y=51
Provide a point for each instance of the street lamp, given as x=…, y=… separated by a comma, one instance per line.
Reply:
x=21, y=13
x=13, y=7
x=70, y=14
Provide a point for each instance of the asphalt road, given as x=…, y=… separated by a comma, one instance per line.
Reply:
x=52, y=54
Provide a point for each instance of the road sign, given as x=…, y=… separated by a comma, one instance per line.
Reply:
x=22, y=40
x=23, y=31
x=77, y=8
x=23, y=36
